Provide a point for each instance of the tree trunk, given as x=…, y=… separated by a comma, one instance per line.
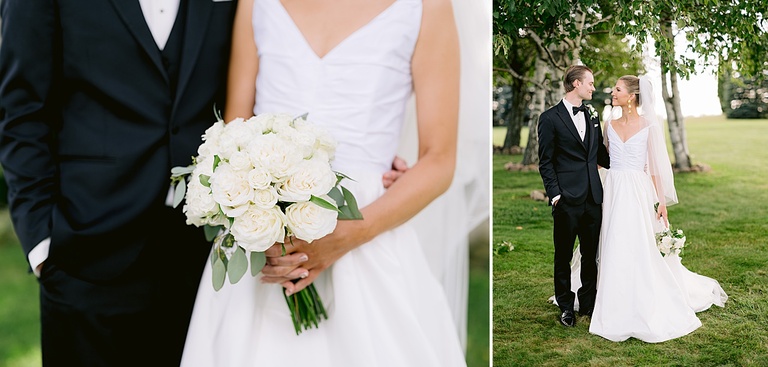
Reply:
x=515, y=118
x=672, y=106
x=531, y=153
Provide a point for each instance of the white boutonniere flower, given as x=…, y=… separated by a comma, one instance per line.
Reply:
x=592, y=111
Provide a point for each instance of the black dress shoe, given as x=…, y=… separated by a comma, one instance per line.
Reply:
x=587, y=313
x=567, y=318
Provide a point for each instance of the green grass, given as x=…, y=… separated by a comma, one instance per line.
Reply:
x=723, y=213
x=19, y=307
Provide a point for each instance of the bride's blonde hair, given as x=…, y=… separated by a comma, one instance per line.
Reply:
x=633, y=86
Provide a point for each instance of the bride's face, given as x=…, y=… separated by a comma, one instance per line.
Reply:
x=620, y=94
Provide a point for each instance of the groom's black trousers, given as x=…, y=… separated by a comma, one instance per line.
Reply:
x=571, y=221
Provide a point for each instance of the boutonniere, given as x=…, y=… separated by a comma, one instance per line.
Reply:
x=592, y=111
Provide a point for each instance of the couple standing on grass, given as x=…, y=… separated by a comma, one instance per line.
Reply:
x=616, y=277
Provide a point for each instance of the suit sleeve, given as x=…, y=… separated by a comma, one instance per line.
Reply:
x=602, y=151
x=546, y=133
x=28, y=78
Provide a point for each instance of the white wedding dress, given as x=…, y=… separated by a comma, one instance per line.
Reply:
x=385, y=307
x=640, y=293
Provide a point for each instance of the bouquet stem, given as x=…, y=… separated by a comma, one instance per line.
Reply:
x=306, y=308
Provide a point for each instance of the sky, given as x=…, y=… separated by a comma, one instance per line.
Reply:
x=698, y=94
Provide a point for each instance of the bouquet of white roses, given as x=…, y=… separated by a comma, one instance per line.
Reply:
x=253, y=183
x=670, y=241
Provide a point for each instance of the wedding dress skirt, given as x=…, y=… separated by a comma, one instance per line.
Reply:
x=641, y=293
x=385, y=306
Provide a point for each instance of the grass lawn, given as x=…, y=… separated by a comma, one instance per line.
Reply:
x=723, y=213
x=19, y=307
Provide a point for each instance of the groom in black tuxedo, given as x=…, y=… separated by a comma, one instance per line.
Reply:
x=570, y=150
x=98, y=100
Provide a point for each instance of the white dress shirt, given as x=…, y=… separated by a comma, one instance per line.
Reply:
x=160, y=16
x=579, y=119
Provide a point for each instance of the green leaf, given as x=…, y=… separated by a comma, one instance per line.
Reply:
x=182, y=171
x=216, y=161
x=238, y=264
x=181, y=191
x=219, y=273
x=336, y=195
x=351, y=203
x=211, y=232
x=323, y=203
x=258, y=260
x=205, y=180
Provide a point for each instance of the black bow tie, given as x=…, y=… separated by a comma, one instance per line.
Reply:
x=582, y=108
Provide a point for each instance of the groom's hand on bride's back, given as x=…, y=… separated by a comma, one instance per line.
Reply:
x=399, y=167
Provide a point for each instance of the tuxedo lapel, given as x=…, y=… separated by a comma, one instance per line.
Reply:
x=565, y=117
x=198, y=18
x=131, y=14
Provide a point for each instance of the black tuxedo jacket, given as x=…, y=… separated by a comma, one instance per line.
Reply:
x=89, y=127
x=568, y=165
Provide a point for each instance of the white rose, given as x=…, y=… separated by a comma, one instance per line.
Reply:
x=274, y=154
x=308, y=221
x=281, y=123
x=265, y=198
x=231, y=190
x=240, y=161
x=210, y=145
x=324, y=142
x=258, y=229
x=199, y=204
x=267, y=120
x=259, y=178
x=666, y=244
x=312, y=177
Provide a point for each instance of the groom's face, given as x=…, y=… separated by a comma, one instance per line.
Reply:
x=585, y=86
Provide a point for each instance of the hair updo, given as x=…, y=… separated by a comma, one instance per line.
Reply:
x=633, y=86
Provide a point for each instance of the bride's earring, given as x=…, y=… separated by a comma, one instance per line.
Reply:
x=630, y=107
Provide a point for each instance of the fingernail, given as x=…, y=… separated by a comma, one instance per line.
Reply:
x=304, y=275
x=288, y=292
x=304, y=258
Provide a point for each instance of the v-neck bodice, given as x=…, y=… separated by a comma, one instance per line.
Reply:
x=358, y=91
x=628, y=155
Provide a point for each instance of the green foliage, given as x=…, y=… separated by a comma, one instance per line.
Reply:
x=743, y=97
x=725, y=231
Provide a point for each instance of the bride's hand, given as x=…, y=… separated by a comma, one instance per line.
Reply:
x=661, y=212
x=322, y=254
x=284, y=268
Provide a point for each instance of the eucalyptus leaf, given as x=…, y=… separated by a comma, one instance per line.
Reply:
x=336, y=195
x=258, y=260
x=323, y=203
x=219, y=273
x=238, y=264
x=182, y=171
x=179, y=193
x=211, y=232
x=205, y=180
x=351, y=203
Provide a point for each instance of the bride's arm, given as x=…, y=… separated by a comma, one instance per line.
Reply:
x=243, y=65
x=435, y=68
